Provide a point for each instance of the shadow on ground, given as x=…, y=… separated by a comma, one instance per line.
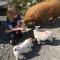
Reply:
x=26, y=35
x=33, y=53
x=36, y=49
x=56, y=24
x=3, y=36
x=53, y=24
x=55, y=42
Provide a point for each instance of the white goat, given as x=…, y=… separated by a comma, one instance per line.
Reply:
x=23, y=48
x=42, y=35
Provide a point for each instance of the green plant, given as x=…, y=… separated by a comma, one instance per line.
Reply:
x=21, y=5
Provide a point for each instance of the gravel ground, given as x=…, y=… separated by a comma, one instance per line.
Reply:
x=43, y=52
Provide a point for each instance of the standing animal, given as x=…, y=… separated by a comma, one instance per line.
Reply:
x=42, y=12
x=42, y=35
x=24, y=47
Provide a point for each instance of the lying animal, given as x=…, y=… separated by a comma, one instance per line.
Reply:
x=23, y=48
x=43, y=12
x=42, y=35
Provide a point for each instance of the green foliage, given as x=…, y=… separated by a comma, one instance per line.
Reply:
x=21, y=5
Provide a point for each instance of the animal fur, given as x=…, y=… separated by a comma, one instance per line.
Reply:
x=43, y=11
x=42, y=35
x=22, y=48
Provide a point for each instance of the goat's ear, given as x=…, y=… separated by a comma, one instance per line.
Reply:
x=37, y=26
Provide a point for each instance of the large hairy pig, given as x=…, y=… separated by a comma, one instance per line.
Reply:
x=43, y=11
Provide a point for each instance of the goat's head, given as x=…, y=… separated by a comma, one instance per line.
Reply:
x=37, y=28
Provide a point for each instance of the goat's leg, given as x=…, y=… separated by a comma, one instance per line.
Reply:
x=16, y=53
x=17, y=58
x=38, y=40
x=50, y=40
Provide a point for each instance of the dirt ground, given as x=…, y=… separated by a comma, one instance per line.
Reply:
x=43, y=52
